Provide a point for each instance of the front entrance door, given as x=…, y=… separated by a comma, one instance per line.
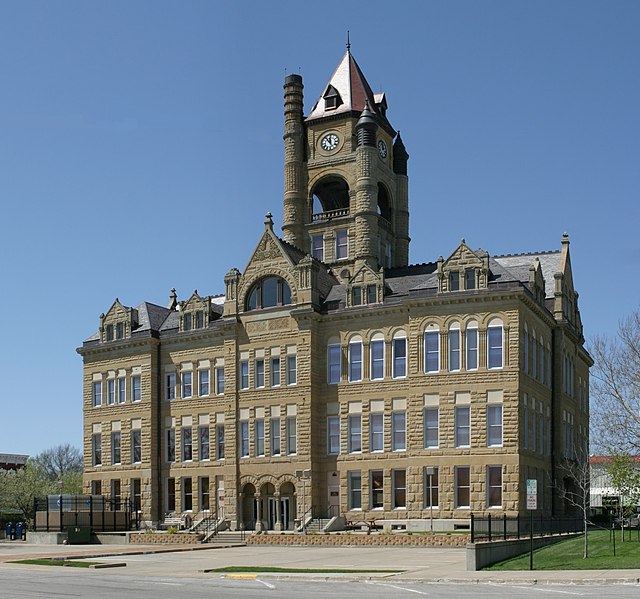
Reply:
x=272, y=516
x=334, y=500
x=285, y=514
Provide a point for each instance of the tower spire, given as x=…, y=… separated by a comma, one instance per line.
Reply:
x=348, y=43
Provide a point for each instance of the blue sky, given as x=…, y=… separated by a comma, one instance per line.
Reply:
x=141, y=145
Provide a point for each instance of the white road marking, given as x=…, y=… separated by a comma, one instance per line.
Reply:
x=542, y=590
x=393, y=586
x=267, y=584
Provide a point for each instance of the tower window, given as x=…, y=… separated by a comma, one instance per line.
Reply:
x=267, y=292
x=342, y=244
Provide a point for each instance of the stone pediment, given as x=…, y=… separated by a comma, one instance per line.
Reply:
x=462, y=257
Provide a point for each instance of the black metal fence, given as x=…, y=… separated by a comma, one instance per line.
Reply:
x=58, y=513
x=496, y=528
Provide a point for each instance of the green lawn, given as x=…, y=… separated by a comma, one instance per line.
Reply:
x=238, y=569
x=55, y=562
x=567, y=555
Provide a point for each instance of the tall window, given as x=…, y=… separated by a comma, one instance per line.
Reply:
x=136, y=493
x=334, y=355
x=244, y=438
x=431, y=351
x=203, y=492
x=220, y=442
x=377, y=489
x=171, y=494
x=203, y=383
x=136, y=390
x=122, y=390
x=342, y=244
x=136, y=446
x=399, y=431
x=472, y=346
x=291, y=425
x=470, y=278
x=377, y=359
x=116, y=451
x=399, y=357
x=203, y=442
x=187, y=444
x=292, y=369
x=494, y=344
x=111, y=391
x=534, y=356
x=259, y=373
x=274, y=439
x=187, y=494
x=259, y=437
x=376, y=431
x=525, y=357
x=274, y=371
x=462, y=487
x=219, y=380
x=355, y=433
x=268, y=292
x=333, y=435
x=494, y=486
x=399, y=489
x=317, y=247
x=171, y=385
x=454, y=281
x=463, y=426
x=354, y=479
x=431, y=487
x=355, y=360
x=431, y=428
x=244, y=374
x=454, y=347
x=97, y=393
x=170, y=435
x=96, y=449
x=187, y=384
x=494, y=425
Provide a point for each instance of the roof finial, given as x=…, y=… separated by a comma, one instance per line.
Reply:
x=348, y=42
x=268, y=222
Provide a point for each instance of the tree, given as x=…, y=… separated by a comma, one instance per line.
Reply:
x=625, y=480
x=58, y=462
x=19, y=488
x=616, y=388
x=575, y=489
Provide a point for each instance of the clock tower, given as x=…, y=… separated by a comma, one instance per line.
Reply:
x=346, y=186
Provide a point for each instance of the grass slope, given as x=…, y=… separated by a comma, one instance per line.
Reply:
x=567, y=555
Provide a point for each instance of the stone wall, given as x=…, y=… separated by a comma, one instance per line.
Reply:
x=415, y=540
x=163, y=538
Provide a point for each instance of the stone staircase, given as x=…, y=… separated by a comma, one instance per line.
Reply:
x=317, y=524
x=228, y=537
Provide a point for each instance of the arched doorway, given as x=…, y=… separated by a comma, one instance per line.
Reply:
x=249, y=507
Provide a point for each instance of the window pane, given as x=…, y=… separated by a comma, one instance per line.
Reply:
x=472, y=349
x=376, y=424
x=462, y=427
x=454, y=350
x=470, y=278
x=399, y=431
x=377, y=489
x=355, y=361
x=454, y=281
x=399, y=358
x=399, y=489
x=494, y=339
x=269, y=292
x=355, y=490
x=377, y=359
x=431, y=427
x=431, y=351
x=355, y=433
x=333, y=368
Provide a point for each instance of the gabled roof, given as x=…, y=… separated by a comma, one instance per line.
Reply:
x=518, y=265
x=349, y=81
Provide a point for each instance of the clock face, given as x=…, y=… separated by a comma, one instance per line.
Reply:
x=382, y=148
x=329, y=142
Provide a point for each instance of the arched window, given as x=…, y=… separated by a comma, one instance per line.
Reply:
x=472, y=345
x=399, y=348
x=432, y=349
x=376, y=351
x=355, y=359
x=494, y=344
x=267, y=292
x=454, y=346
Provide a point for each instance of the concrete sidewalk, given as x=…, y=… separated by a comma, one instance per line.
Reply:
x=418, y=564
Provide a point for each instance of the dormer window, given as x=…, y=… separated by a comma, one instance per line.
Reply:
x=109, y=332
x=187, y=321
x=199, y=319
x=364, y=295
x=268, y=292
x=454, y=281
x=470, y=278
x=332, y=98
x=120, y=330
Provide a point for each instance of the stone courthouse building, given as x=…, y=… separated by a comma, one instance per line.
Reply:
x=332, y=377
